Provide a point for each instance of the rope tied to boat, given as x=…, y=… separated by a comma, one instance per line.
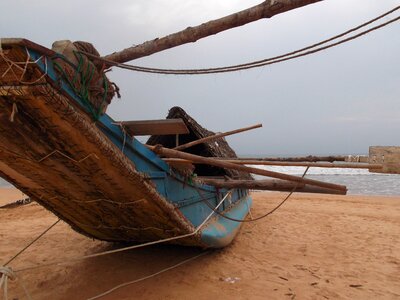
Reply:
x=256, y=218
x=125, y=133
x=14, y=110
x=86, y=77
x=312, y=49
x=12, y=65
x=8, y=273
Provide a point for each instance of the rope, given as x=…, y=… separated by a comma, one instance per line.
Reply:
x=14, y=110
x=187, y=235
x=81, y=80
x=32, y=242
x=8, y=273
x=121, y=227
x=264, y=62
x=28, y=61
x=68, y=157
x=121, y=204
x=260, y=217
x=122, y=128
x=148, y=276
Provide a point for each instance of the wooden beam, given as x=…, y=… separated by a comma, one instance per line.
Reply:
x=292, y=164
x=183, y=166
x=216, y=136
x=269, y=185
x=155, y=127
x=218, y=163
x=309, y=158
x=307, y=164
x=266, y=9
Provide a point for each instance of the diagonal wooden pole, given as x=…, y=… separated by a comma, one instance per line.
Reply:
x=269, y=185
x=266, y=9
x=215, y=136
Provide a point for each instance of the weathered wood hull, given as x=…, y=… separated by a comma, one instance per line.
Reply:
x=104, y=184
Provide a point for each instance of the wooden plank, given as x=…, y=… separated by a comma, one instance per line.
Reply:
x=155, y=127
x=215, y=136
x=12, y=42
x=388, y=156
x=182, y=165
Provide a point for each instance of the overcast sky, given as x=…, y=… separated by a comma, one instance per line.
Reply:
x=339, y=101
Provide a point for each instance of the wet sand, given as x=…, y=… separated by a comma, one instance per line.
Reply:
x=313, y=247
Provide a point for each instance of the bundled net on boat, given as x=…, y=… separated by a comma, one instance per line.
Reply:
x=85, y=76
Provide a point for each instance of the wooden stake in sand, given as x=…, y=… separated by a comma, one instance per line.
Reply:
x=216, y=136
x=218, y=163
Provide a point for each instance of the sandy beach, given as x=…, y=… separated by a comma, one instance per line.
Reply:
x=314, y=247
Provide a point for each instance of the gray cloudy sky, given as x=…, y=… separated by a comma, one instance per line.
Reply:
x=338, y=101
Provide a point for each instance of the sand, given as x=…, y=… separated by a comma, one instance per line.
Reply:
x=314, y=247
x=10, y=194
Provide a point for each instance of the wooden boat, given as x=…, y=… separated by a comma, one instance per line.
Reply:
x=59, y=147
x=89, y=172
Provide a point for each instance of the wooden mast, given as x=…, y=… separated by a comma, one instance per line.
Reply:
x=266, y=9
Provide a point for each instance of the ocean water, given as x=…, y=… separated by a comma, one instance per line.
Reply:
x=358, y=181
x=4, y=183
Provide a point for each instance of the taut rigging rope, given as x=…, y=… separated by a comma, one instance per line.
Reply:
x=264, y=62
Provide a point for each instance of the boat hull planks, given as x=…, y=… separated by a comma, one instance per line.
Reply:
x=57, y=155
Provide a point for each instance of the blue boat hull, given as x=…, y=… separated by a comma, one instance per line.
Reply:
x=104, y=184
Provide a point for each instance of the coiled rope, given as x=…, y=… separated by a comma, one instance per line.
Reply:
x=264, y=62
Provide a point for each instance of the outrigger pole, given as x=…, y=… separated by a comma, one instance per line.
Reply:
x=170, y=153
x=266, y=9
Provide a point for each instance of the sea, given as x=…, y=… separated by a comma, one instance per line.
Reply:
x=358, y=181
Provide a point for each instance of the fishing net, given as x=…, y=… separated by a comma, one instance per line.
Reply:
x=84, y=75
